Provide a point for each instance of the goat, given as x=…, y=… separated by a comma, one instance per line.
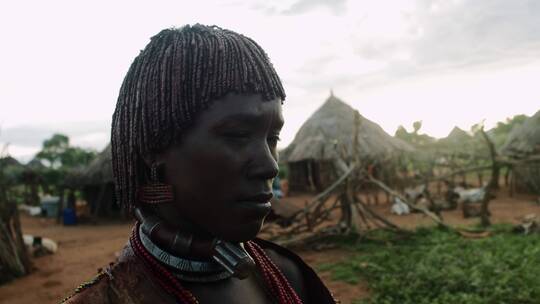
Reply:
x=40, y=246
x=471, y=199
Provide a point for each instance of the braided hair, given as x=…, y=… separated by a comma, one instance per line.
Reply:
x=178, y=75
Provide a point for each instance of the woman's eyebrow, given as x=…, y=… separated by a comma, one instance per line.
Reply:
x=246, y=119
x=240, y=118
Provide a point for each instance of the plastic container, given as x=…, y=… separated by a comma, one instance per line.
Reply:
x=70, y=217
x=49, y=206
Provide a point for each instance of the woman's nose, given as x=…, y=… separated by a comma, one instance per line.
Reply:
x=263, y=163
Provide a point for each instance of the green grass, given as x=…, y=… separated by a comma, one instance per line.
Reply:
x=436, y=266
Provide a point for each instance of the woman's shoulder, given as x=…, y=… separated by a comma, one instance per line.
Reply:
x=301, y=276
x=93, y=291
x=124, y=281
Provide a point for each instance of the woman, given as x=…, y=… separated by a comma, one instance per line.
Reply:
x=194, y=139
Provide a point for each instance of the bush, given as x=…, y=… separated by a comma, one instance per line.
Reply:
x=436, y=266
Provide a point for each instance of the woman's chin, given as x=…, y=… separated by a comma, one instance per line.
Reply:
x=240, y=232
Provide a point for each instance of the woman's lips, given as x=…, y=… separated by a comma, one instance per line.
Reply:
x=254, y=208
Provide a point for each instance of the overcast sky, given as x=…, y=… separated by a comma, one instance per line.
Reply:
x=446, y=62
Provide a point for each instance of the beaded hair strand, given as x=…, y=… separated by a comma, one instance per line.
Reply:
x=177, y=75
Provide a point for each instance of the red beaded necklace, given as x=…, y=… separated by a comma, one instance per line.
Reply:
x=272, y=275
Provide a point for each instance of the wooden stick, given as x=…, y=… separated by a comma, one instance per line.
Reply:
x=314, y=203
x=378, y=217
x=428, y=213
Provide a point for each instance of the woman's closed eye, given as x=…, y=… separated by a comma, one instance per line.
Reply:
x=236, y=137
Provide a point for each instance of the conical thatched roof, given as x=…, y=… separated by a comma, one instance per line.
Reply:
x=332, y=127
x=99, y=171
x=524, y=140
x=35, y=165
x=11, y=169
x=9, y=161
x=457, y=140
x=456, y=136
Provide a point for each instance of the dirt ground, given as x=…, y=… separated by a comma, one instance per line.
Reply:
x=85, y=248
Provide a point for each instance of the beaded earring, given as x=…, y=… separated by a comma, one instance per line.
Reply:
x=156, y=191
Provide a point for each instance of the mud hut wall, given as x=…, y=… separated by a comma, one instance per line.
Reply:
x=527, y=178
x=310, y=175
x=323, y=174
x=299, y=176
x=101, y=199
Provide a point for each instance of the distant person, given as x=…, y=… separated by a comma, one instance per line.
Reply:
x=194, y=139
x=276, y=188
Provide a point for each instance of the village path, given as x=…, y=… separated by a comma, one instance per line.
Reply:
x=83, y=249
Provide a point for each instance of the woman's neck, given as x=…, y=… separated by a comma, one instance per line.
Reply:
x=187, y=245
x=179, y=238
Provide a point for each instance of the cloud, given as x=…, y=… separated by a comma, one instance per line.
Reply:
x=24, y=141
x=473, y=32
x=387, y=44
x=435, y=36
x=336, y=7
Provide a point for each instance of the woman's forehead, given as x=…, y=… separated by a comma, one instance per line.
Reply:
x=243, y=107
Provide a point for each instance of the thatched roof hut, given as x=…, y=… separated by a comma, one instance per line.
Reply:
x=12, y=170
x=329, y=134
x=97, y=184
x=35, y=165
x=456, y=137
x=333, y=123
x=99, y=171
x=9, y=161
x=459, y=142
x=524, y=142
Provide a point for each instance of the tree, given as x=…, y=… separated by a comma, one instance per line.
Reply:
x=59, y=159
x=52, y=151
x=503, y=128
x=75, y=157
x=417, y=125
x=414, y=138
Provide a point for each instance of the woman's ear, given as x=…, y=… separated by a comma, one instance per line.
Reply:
x=155, y=166
x=153, y=158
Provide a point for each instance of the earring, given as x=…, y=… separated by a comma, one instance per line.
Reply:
x=156, y=191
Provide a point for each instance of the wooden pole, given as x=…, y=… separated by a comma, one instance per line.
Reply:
x=495, y=166
x=493, y=183
x=512, y=183
x=428, y=213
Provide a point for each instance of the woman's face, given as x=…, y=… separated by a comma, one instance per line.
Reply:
x=223, y=168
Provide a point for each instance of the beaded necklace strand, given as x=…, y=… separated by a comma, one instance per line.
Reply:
x=272, y=275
